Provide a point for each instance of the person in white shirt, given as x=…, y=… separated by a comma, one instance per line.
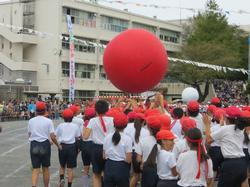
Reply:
x=194, y=166
x=193, y=111
x=181, y=145
x=136, y=131
x=117, y=150
x=166, y=162
x=41, y=130
x=67, y=133
x=147, y=150
x=176, y=125
x=86, y=145
x=231, y=137
x=99, y=127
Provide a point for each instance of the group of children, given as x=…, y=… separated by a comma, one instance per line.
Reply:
x=156, y=148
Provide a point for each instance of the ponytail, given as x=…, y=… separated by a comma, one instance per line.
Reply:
x=116, y=137
x=138, y=126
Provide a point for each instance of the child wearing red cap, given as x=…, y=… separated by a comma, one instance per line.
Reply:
x=99, y=127
x=117, y=150
x=147, y=151
x=41, y=130
x=176, y=125
x=181, y=145
x=231, y=137
x=136, y=131
x=194, y=166
x=67, y=133
x=86, y=145
x=166, y=162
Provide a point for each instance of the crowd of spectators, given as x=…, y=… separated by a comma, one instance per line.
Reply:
x=231, y=92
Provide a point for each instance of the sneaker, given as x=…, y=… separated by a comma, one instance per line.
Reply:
x=61, y=183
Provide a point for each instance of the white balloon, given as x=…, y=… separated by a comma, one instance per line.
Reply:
x=189, y=94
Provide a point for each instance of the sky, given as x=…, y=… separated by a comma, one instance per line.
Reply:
x=174, y=13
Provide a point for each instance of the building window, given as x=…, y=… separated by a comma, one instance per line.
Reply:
x=80, y=94
x=84, y=71
x=79, y=46
x=103, y=42
x=146, y=27
x=102, y=74
x=114, y=24
x=169, y=36
x=80, y=17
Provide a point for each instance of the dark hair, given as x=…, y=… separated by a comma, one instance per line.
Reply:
x=68, y=120
x=195, y=134
x=246, y=138
x=193, y=113
x=116, y=136
x=218, y=105
x=241, y=123
x=40, y=112
x=138, y=125
x=178, y=112
x=101, y=107
x=127, y=111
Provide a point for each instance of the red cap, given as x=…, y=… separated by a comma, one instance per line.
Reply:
x=139, y=110
x=112, y=110
x=40, y=105
x=187, y=123
x=139, y=116
x=232, y=112
x=120, y=119
x=90, y=112
x=74, y=108
x=246, y=108
x=193, y=106
x=211, y=108
x=152, y=112
x=165, y=135
x=165, y=122
x=67, y=113
x=132, y=115
x=218, y=113
x=245, y=114
x=154, y=122
x=215, y=100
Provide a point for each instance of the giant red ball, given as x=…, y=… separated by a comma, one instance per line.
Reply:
x=135, y=61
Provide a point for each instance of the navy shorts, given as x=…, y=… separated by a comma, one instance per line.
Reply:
x=149, y=177
x=97, y=158
x=216, y=156
x=86, y=152
x=40, y=153
x=116, y=174
x=168, y=183
x=67, y=156
x=233, y=172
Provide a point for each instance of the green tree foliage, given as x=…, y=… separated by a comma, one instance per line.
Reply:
x=210, y=39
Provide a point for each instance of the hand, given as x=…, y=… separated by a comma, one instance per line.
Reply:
x=206, y=120
x=222, y=120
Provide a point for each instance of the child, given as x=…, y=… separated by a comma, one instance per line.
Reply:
x=166, y=162
x=194, y=166
x=117, y=150
x=67, y=133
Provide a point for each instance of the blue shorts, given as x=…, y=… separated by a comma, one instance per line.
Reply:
x=97, y=158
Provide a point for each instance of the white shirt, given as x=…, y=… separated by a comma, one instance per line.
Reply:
x=40, y=128
x=176, y=129
x=117, y=152
x=187, y=167
x=199, y=123
x=145, y=146
x=130, y=131
x=165, y=162
x=79, y=122
x=67, y=133
x=214, y=127
x=97, y=132
x=231, y=141
x=180, y=146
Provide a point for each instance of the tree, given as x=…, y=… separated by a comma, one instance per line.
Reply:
x=210, y=39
